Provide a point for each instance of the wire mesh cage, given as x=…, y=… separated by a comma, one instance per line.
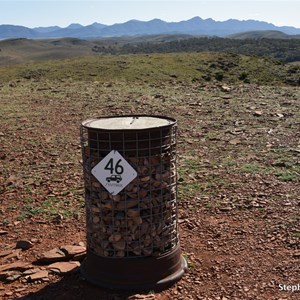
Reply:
x=130, y=181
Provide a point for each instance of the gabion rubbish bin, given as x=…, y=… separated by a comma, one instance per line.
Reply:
x=130, y=177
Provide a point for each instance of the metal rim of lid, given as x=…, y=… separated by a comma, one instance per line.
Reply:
x=130, y=122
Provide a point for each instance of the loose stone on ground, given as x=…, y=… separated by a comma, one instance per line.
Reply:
x=63, y=267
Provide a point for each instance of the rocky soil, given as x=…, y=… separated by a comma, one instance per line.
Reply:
x=238, y=188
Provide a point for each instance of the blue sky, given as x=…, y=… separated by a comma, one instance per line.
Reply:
x=64, y=12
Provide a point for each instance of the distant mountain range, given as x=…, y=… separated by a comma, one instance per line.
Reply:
x=195, y=26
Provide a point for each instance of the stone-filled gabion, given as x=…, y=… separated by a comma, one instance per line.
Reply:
x=142, y=219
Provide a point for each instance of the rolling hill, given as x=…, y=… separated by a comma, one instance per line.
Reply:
x=263, y=34
x=13, y=51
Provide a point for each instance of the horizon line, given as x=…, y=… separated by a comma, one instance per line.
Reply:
x=152, y=19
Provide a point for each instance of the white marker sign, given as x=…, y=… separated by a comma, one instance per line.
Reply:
x=114, y=172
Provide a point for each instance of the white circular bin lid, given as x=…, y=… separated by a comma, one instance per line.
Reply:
x=128, y=122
